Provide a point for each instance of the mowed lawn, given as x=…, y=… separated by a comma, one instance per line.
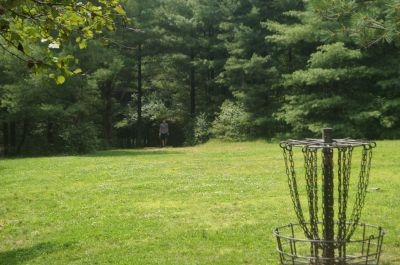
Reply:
x=212, y=204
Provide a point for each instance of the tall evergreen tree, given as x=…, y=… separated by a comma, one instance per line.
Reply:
x=339, y=86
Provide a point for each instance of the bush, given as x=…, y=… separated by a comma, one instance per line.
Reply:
x=80, y=138
x=232, y=122
x=201, y=129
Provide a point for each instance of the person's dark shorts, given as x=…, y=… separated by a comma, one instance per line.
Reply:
x=164, y=136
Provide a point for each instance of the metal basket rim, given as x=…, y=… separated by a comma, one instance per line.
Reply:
x=312, y=143
x=348, y=257
x=382, y=233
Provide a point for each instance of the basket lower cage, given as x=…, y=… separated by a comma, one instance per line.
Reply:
x=364, y=247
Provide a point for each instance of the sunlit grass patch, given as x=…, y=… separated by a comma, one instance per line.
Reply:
x=212, y=204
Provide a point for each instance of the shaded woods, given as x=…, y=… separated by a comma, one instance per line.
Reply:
x=230, y=69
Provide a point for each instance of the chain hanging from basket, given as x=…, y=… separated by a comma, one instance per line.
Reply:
x=317, y=216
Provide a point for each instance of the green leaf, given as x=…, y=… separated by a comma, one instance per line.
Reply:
x=120, y=10
x=78, y=70
x=83, y=44
x=60, y=80
x=67, y=72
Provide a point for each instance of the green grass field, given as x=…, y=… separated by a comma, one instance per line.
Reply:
x=212, y=204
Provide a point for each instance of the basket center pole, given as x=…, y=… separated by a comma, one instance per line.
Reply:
x=328, y=251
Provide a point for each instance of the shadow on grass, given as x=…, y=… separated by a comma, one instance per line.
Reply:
x=104, y=153
x=133, y=152
x=22, y=255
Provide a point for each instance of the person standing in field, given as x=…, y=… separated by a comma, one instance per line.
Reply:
x=164, y=133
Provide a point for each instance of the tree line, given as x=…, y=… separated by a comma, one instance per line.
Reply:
x=229, y=69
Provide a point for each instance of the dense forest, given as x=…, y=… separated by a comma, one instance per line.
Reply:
x=229, y=69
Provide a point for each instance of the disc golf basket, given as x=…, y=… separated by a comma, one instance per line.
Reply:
x=326, y=233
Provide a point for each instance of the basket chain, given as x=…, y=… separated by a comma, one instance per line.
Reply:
x=344, y=168
x=345, y=229
x=362, y=189
x=310, y=165
x=294, y=193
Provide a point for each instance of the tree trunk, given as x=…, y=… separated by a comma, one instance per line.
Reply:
x=5, y=139
x=49, y=132
x=211, y=72
x=139, y=125
x=108, y=91
x=192, y=86
x=13, y=136
x=23, y=136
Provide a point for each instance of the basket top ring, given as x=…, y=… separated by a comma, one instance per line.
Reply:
x=309, y=143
